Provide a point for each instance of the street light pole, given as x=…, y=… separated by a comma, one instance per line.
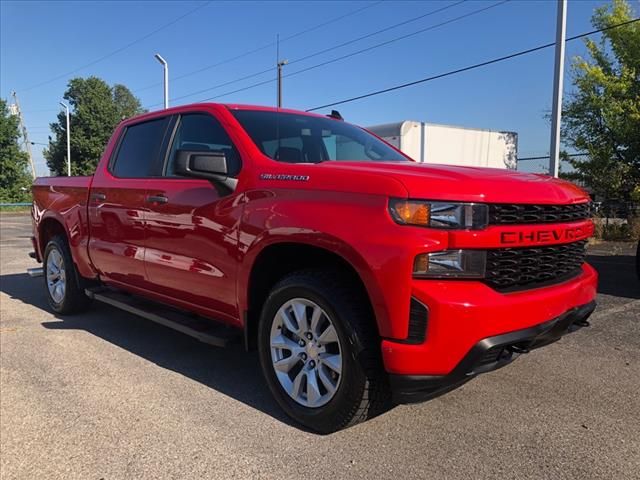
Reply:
x=66, y=107
x=558, y=77
x=165, y=67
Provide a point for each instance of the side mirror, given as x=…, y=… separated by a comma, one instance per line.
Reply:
x=201, y=164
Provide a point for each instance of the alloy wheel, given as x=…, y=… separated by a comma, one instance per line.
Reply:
x=306, y=352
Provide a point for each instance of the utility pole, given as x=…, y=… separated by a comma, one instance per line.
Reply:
x=558, y=77
x=165, y=67
x=25, y=135
x=66, y=107
x=281, y=64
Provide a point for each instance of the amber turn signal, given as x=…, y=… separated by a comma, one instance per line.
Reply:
x=410, y=212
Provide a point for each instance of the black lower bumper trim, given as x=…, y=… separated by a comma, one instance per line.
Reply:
x=488, y=355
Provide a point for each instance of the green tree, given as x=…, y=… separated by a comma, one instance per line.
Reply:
x=96, y=110
x=602, y=116
x=15, y=181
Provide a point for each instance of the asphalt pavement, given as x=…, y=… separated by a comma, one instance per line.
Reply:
x=107, y=395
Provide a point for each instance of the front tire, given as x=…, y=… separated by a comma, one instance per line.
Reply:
x=62, y=282
x=320, y=352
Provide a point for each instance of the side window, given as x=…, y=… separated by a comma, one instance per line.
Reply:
x=202, y=132
x=140, y=149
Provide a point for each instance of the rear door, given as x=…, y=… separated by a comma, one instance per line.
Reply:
x=118, y=202
x=192, y=225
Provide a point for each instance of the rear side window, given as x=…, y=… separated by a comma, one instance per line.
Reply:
x=140, y=149
x=203, y=133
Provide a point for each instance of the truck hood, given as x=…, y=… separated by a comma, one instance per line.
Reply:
x=472, y=184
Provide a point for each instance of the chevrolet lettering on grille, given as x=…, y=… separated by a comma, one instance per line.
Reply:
x=543, y=236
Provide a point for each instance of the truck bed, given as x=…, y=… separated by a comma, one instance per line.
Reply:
x=64, y=200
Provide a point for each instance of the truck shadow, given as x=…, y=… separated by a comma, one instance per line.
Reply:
x=231, y=371
x=617, y=275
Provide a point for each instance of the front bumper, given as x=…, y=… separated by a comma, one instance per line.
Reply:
x=489, y=354
x=462, y=313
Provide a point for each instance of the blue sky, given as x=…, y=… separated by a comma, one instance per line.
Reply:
x=43, y=40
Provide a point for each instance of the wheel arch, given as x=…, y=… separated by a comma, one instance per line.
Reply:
x=53, y=224
x=47, y=229
x=266, y=265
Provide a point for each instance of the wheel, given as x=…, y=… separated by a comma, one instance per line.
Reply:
x=64, y=292
x=320, y=352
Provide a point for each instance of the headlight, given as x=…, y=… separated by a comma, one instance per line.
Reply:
x=451, y=264
x=448, y=215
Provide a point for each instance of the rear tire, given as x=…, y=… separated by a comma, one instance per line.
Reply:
x=61, y=280
x=336, y=378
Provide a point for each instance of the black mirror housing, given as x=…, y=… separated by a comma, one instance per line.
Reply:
x=201, y=164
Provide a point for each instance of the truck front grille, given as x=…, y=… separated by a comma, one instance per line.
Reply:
x=513, y=214
x=510, y=269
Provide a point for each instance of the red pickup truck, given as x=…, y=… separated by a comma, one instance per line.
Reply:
x=363, y=278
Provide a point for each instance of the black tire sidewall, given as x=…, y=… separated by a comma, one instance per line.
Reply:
x=74, y=299
x=345, y=402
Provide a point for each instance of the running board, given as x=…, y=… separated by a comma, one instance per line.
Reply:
x=207, y=331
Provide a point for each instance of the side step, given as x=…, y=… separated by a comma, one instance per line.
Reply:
x=207, y=331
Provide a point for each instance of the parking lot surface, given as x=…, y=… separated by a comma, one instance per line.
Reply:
x=107, y=395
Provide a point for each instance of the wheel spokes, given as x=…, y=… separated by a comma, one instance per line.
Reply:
x=55, y=275
x=328, y=383
x=283, y=343
x=288, y=322
x=287, y=363
x=306, y=352
x=328, y=336
x=315, y=320
x=334, y=362
x=300, y=313
x=296, y=387
x=313, y=390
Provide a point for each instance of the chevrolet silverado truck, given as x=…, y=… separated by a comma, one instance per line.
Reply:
x=363, y=279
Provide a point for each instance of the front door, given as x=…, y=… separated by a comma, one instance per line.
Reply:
x=192, y=226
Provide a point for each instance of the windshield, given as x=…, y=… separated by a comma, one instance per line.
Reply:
x=294, y=138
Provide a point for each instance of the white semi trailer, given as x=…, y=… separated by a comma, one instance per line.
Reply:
x=445, y=144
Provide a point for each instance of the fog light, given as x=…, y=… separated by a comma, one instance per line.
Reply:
x=451, y=264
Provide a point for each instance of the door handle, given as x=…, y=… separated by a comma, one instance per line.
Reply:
x=157, y=199
x=99, y=197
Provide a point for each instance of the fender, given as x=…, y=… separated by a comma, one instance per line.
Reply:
x=71, y=213
x=314, y=239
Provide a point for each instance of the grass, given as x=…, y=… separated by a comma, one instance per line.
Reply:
x=15, y=209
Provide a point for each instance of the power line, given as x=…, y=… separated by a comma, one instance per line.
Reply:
x=256, y=74
x=546, y=157
x=386, y=29
x=208, y=89
x=470, y=67
x=42, y=110
x=118, y=50
x=271, y=80
x=403, y=37
x=352, y=54
x=264, y=47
